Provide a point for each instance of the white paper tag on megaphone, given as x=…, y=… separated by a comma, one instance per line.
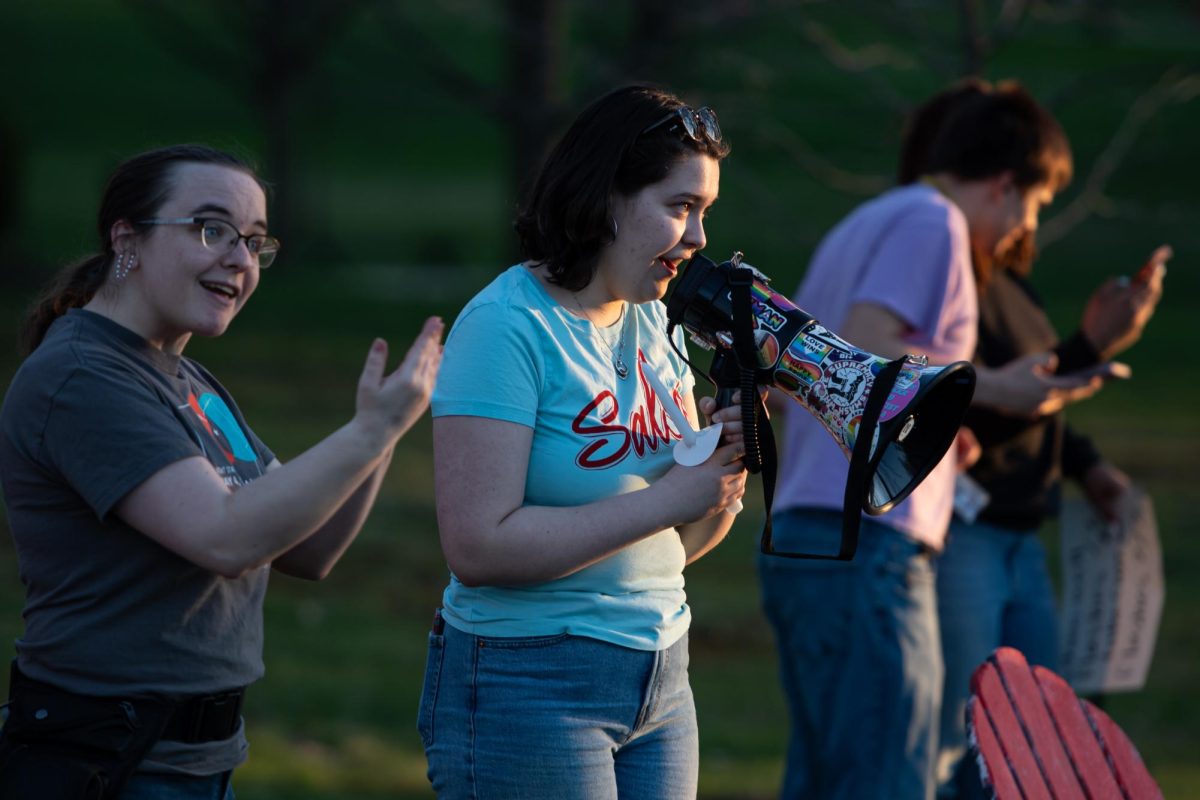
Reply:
x=696, y=446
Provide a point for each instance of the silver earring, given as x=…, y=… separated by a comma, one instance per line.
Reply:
x=125, y=263
x=613, y=220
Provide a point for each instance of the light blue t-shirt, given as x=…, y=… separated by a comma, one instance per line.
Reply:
x=515, y=354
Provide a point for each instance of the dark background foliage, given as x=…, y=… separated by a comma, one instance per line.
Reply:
x=399, y=136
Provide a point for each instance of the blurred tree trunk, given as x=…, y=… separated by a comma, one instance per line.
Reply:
x=534, y=93
x=974, y=42
x=531, y=97
x=14, y=275
x=274, y=44
x=275, y=78
x=653, y=37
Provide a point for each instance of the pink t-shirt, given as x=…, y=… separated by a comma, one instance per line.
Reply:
x=908, y=251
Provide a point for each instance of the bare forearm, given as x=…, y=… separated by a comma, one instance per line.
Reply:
x=187, y=508
x=313, y=558
x=535, y=544
x=490, y=536
x=700, y=537
x=289, y=504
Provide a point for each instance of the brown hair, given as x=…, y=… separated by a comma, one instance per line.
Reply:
x=567, y=221
x=975, y=130
x=135, y=190
x=922, y=126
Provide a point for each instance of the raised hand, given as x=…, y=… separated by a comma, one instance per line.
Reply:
x=1119, y=309
x=388, y=405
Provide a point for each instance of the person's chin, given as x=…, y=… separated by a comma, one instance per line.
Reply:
x=211, y=328
x=658, y=292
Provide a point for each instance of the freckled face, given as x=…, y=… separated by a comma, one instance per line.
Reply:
x=658, y=227
x=181, y=287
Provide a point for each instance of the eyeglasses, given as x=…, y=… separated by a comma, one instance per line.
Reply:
x=221, y=237
x=698, y=124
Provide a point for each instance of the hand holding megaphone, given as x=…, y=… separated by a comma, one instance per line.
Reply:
x=695, y=447
x=894, y=419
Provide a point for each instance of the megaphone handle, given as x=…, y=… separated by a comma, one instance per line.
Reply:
x=726, y=376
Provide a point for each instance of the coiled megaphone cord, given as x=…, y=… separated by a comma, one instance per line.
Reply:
x=750, y=419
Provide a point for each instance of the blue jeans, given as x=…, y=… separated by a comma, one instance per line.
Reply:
x=155, y=786
x=993, y=589
x=557, y=717
x=860, y=661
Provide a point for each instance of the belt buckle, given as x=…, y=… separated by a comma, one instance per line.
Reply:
x=219, y=711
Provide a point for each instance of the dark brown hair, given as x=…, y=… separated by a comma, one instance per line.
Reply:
x=975, y=130
x=986, y=132
x=567, y=221
x=135, y=190
x=922, y=126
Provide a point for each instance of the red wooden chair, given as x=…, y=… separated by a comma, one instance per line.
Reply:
x=1034, y=739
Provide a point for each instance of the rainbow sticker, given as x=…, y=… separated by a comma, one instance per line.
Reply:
x=802, y=370
x=768, y=349
x=787, y=381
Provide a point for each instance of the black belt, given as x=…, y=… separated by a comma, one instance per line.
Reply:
x=208, y=718
x=191, y=720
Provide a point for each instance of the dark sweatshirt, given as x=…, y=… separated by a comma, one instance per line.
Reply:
x=1024, y=460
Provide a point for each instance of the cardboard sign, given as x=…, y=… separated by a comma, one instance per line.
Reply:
x=1112, y=595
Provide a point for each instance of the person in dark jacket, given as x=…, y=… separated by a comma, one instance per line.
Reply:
x=992, y=583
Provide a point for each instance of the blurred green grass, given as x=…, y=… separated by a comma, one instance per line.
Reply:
x=403, y=207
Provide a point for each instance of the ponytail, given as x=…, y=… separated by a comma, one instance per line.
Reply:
x=72, y=288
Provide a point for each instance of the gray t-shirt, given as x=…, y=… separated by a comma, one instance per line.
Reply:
x=89, y=416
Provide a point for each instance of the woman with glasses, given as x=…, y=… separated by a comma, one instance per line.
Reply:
x=146, y=513
x=558, y=663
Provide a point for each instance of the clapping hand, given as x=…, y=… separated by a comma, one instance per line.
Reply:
x=388, y=405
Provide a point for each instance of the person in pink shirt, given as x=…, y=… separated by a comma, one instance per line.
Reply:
x=858, y=641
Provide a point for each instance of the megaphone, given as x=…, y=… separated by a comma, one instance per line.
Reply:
x=894, y=420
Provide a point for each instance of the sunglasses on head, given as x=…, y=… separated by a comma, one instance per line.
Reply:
x=697, y=124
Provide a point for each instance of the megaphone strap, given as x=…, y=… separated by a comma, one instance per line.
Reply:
x=856, y=478
x=860, y=459
x=740, y=282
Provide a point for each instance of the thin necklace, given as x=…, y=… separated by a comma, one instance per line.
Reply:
x=618, y=360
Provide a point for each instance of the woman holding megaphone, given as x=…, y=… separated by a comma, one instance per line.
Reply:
x=558, y=663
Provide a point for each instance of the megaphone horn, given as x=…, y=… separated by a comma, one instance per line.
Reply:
x=893, y=419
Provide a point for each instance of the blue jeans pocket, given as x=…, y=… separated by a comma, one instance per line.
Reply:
x=520, y=642
x=429, y=691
